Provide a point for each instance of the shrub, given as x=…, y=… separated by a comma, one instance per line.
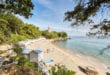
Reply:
x=61, y=70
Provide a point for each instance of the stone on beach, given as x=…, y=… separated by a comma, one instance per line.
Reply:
x=88, y=70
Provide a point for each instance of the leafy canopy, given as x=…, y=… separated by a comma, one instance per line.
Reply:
x=21, y=7
x=84, y=9
x=13, y=29
x=85, y=12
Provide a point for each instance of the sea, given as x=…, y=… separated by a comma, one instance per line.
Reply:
x=93, y=47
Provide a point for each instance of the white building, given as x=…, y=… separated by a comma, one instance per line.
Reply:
x=36, y=56
x=49, y=29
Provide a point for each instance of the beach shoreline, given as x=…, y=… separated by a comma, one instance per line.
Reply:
x=68, y=58
x=73, y=52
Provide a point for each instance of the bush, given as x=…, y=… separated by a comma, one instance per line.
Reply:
x=62, y=34
x=52, y=35
x=61, y=70
x=17, y=49
x=15, y=38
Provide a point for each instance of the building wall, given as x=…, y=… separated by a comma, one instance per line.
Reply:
x=40, y=56
x=33, y=57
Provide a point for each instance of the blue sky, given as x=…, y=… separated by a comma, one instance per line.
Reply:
x=51, y=12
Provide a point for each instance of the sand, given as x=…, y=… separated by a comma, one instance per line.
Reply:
x=65, y=57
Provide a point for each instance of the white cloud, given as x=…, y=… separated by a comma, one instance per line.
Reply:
x=45, y=3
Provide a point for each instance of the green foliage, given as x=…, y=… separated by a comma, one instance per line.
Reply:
x=52, y=35
x=21, y=7
x=16, y=38
x=13, y=29
x=30, y=31
x=61, y=70
x=22, y=60
x=62, y=34
x=2, y=37
x=3, y=30
x=102, y=30
x=17, y=49
x=31, y=65
x=3, y=24
x=14, y=23
x=86, y=11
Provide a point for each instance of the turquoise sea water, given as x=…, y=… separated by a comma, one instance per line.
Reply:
x=88, y=46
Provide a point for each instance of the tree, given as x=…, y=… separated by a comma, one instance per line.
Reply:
x=21, y=7
x=101, y=30
x=86, y=10
x=14, y=23
x=22, y=60
x=2, y=37
x=62, y=34
x=13, y=29
x=30, y=31
x=3, y=30
x=17, y=49
x=54, y=34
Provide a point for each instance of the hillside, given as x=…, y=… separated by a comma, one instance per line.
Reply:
x=13, y=29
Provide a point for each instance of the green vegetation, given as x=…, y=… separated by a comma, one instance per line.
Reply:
x=21, y=7
x=54, y=34
x=24, y=66
x=87, y=11
x=61, y=70
x=23, y=61
x=17, y=49
x=12, y=30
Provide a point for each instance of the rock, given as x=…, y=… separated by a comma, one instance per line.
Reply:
x=107, y=73
x=88, y=70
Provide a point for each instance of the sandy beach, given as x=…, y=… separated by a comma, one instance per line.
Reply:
x=65, y=57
